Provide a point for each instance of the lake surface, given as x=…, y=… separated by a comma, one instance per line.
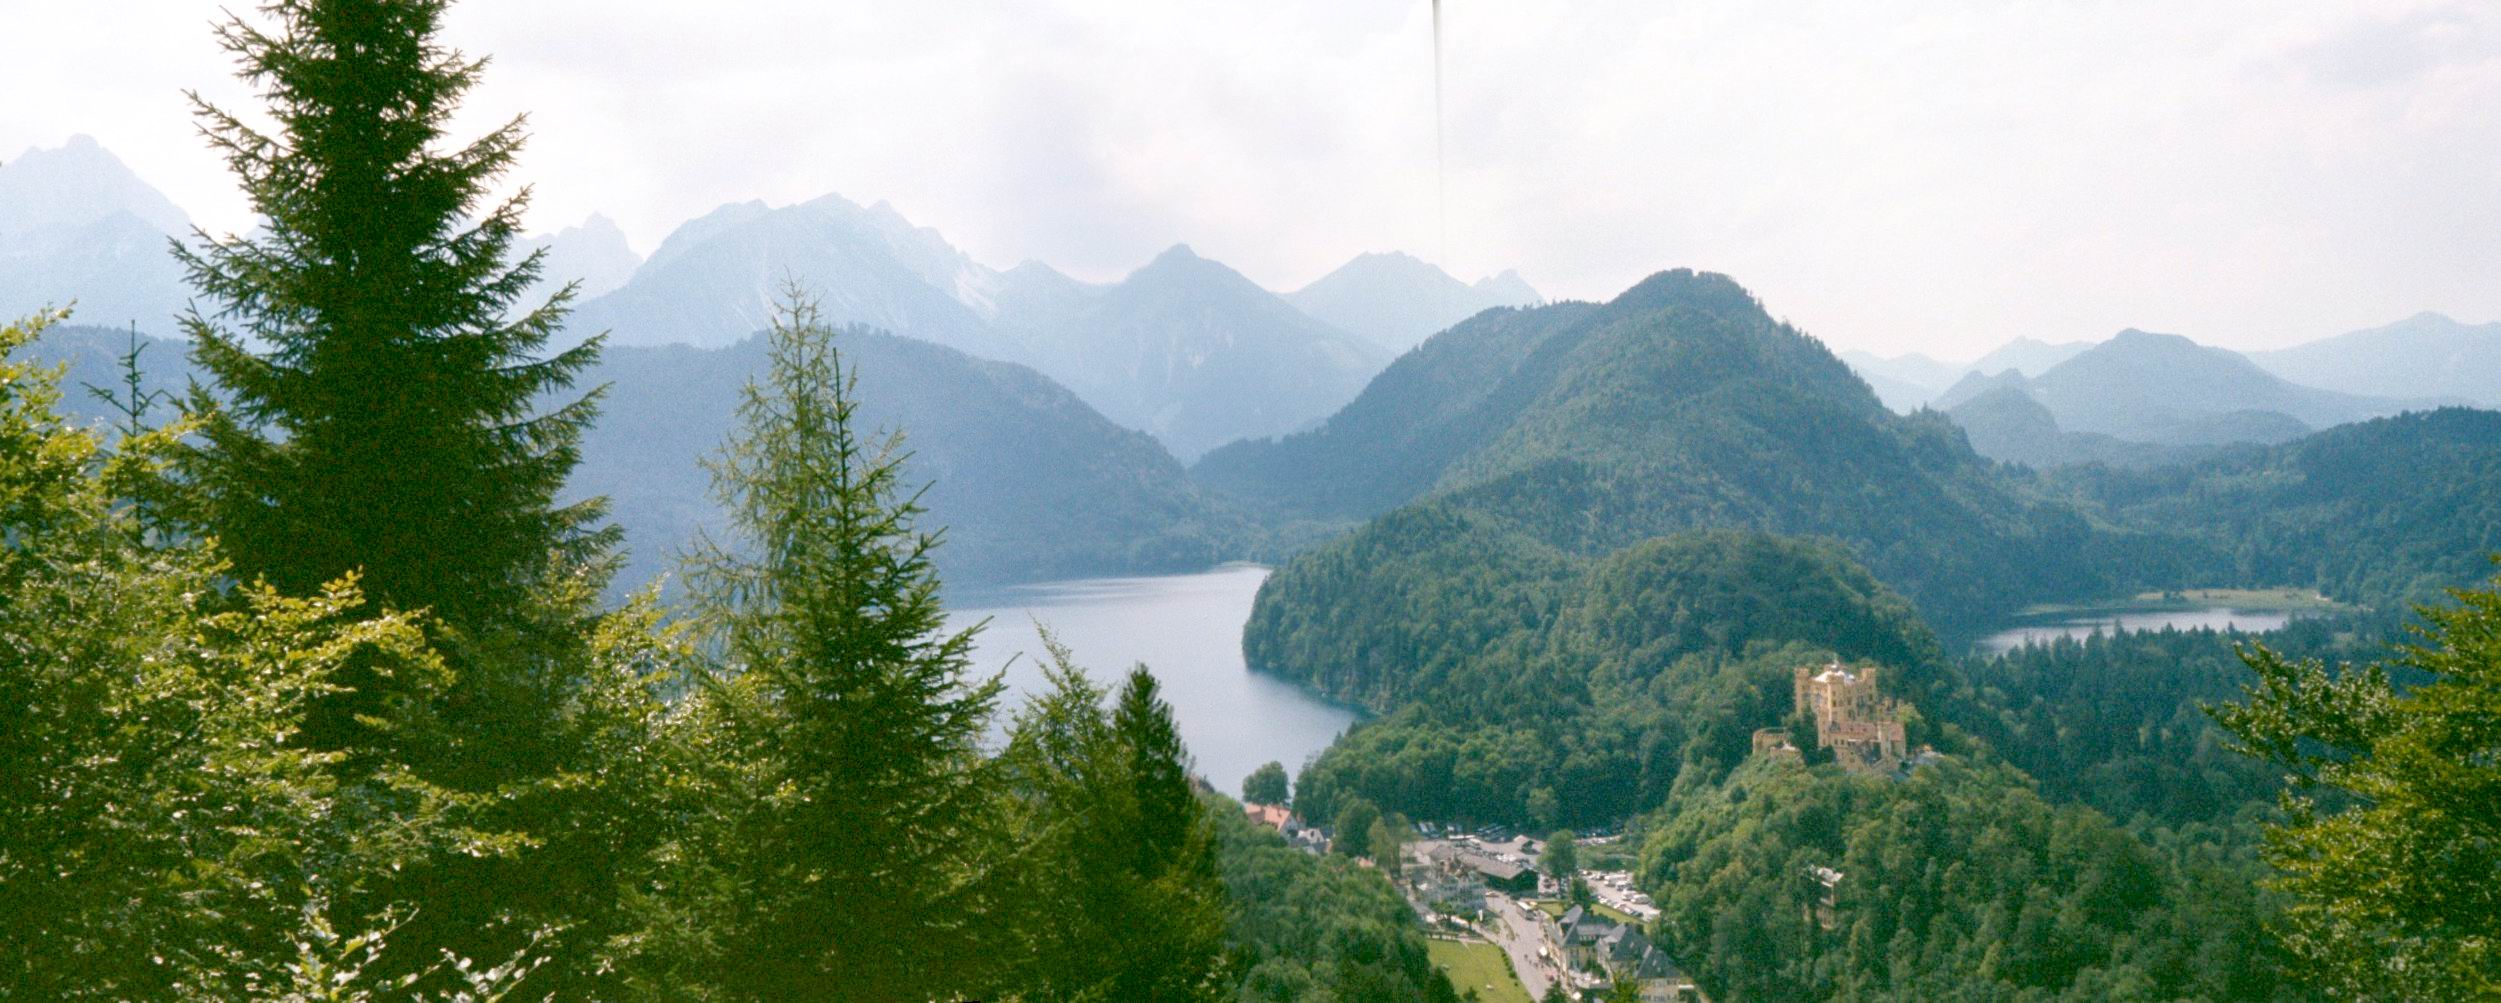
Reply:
x=1188, y=631
x=2083, y=625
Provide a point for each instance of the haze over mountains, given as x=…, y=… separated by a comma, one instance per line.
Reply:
x=2426, y=355
x=77, y=224
x=1029, y=482
x=2143, y=399
x=1188, y=350
x=1185, y=349
x=1395, y=300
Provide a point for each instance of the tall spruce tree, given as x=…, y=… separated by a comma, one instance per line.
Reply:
x=859, y=821
x=1178, y=946
x=382, y=404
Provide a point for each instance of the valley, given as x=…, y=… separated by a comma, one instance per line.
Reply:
x=402, y=596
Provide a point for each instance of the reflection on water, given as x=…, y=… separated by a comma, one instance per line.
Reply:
x=1188, y=631
x=2080, y=626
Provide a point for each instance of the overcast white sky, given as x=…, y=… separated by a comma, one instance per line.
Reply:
x=1895, y=176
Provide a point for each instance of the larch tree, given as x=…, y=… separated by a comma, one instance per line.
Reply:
x=859, y=822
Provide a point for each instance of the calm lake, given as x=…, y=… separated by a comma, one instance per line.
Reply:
x=2082, y=625
x=1188, y=631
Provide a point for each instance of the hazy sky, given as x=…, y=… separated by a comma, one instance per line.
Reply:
x=1933, y=176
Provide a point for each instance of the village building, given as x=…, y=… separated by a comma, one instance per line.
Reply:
x=1861, y=726
x=1274, y=816
x=1601, y=951
x=1288, y=825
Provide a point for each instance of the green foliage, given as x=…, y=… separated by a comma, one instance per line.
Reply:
x=381, y=404
x=2394, y=827
x=2382, y=513
x=1266, y=785
x=1351, y=834
x=1957, y=883
x=391, y=423
x=1561, y=861
x=1117, y=890
x=164, y=832
x=2116, y=721
x=1312, y=929
x=839, y=703
x=1598, y=683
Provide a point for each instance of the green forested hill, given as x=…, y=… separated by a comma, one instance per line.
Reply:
x=2380, y=512
x=1598, y=681
x=1957, y=883
x=1587, y=691
x=1681, y=404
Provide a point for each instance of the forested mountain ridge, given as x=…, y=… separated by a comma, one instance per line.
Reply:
x=1599, y=680
x=1681, y=404
x=2380, y=512
x=1031, y=483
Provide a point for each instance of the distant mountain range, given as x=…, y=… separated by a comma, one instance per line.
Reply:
x=2426, y=355
x=1185, y=349
x=2141, y=399
x=78, y=225
x=1188, y=350
x=1396, y=300
x=713, y=281
x=593, y=253
x=1028, y=482
x=1907, y=383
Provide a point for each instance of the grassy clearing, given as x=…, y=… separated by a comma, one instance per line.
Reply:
x=2186, y=599
x=1479, y=966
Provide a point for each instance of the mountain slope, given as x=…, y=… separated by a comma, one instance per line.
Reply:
x=2004, y=423
x=1186, y=349
x=2166, y=390
x=2426, y=355
x=1027, y=481
x=593, y=253
x=1681, y=404
x=1903, y=382
x=1395, y=300
x=77, y=224
x=2380, y=512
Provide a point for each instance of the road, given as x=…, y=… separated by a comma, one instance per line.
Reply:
x=1516, y=931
